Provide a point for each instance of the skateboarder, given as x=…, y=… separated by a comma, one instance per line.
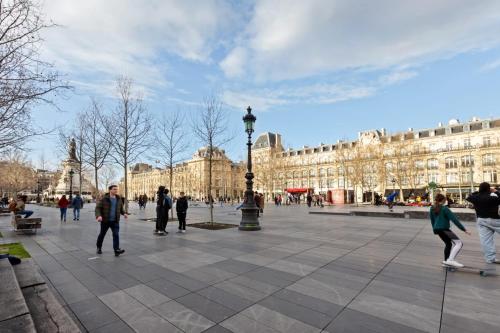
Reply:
x=440, y=220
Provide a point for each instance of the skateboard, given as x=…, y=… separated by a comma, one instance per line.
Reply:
x=481, y=270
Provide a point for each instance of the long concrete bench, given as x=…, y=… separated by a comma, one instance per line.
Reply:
x=48, y=314
x=409, y=214
x=31, y=224
x=27, y=304
x=14, y=312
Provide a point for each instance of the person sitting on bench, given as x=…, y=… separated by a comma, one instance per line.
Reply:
x=21, y=207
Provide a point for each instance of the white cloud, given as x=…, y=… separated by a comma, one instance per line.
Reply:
x=491, y=66
x=233, y=65
x=114, y=37
x=265, y=99
x=296, y=39
x=397, y=76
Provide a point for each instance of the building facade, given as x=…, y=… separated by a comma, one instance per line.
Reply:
x=454, y=159
x=191, y=177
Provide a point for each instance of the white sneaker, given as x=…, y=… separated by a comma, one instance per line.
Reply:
x=444, y=264
x=183, y=231
x=454, y=263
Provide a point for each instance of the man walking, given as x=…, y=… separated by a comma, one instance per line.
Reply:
x=486, y=203
x=77, y=204
x=181, y=207
x=107, y=212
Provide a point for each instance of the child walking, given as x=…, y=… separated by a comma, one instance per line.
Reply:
x=441, y=216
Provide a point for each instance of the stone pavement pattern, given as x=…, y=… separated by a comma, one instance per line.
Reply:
x=301, y=273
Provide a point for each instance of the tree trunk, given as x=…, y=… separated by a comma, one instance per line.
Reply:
x=171, y=189
x=210, y=197
x=126, y=188
x=96, y=182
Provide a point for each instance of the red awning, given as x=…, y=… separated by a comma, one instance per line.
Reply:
x=297, y=190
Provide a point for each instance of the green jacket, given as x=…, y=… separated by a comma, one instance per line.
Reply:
x=103, y=208
x=442, y=220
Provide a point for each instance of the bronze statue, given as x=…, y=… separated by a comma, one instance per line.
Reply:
x=72, y=150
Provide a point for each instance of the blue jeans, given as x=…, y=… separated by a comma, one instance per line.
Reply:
x=76, y=213
x=115, y=228
x=27, y=213
x=63, y=213
x=487, y=228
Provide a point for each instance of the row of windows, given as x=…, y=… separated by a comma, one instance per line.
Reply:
x=371, y=180
x=450, y=163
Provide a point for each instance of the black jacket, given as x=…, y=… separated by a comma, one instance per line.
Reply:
x=182, y=205
x=485, y=204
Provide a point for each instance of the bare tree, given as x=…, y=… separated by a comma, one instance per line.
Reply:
x=16, y=174
x=171, y=143
x=107, y=176
x=211, y=128
x=96, y=140
x=129, y=128
x=24, y=78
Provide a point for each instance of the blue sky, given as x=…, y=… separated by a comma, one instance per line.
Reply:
x=314, y=71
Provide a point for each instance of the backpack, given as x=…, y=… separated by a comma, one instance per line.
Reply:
x=12, y=206
x=167, y=204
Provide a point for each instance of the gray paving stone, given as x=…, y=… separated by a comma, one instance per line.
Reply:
x=326, y=291
x=453, y=324
x=121, y=280
x=295, y=311
x=352, y=250
x=182, y=280
x=235, y=266
x=243, y=324
x=351, y=321
x=207, y=308
x=222, y=297
x=316, y=304
x=209, y=274
x=272, y=276
x=167, y=288
x=93, y=313
x=263, y=287
x=217, y=329
x=182, y=317
x=146, y=295
x=61, y=277
x=114, y=327
x=407, y=314
x=276, y=320
x=73, y=292
x=241, y=290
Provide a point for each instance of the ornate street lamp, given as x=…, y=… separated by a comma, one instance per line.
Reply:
x=38, y=191
x=249, y=210
x=71, y=173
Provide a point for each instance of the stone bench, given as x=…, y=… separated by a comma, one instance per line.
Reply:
x=14, y=312
x=27, y=304
x=26, y=224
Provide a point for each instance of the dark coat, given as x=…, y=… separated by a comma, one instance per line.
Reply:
x=182, y=205
x=103, y=208
x=485, y=204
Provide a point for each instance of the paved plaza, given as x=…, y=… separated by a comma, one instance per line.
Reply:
x=300, y=273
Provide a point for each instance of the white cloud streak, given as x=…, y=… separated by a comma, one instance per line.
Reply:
x=104, y=39
x=290, y=39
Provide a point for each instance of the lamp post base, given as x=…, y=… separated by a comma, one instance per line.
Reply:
x=249, y=219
